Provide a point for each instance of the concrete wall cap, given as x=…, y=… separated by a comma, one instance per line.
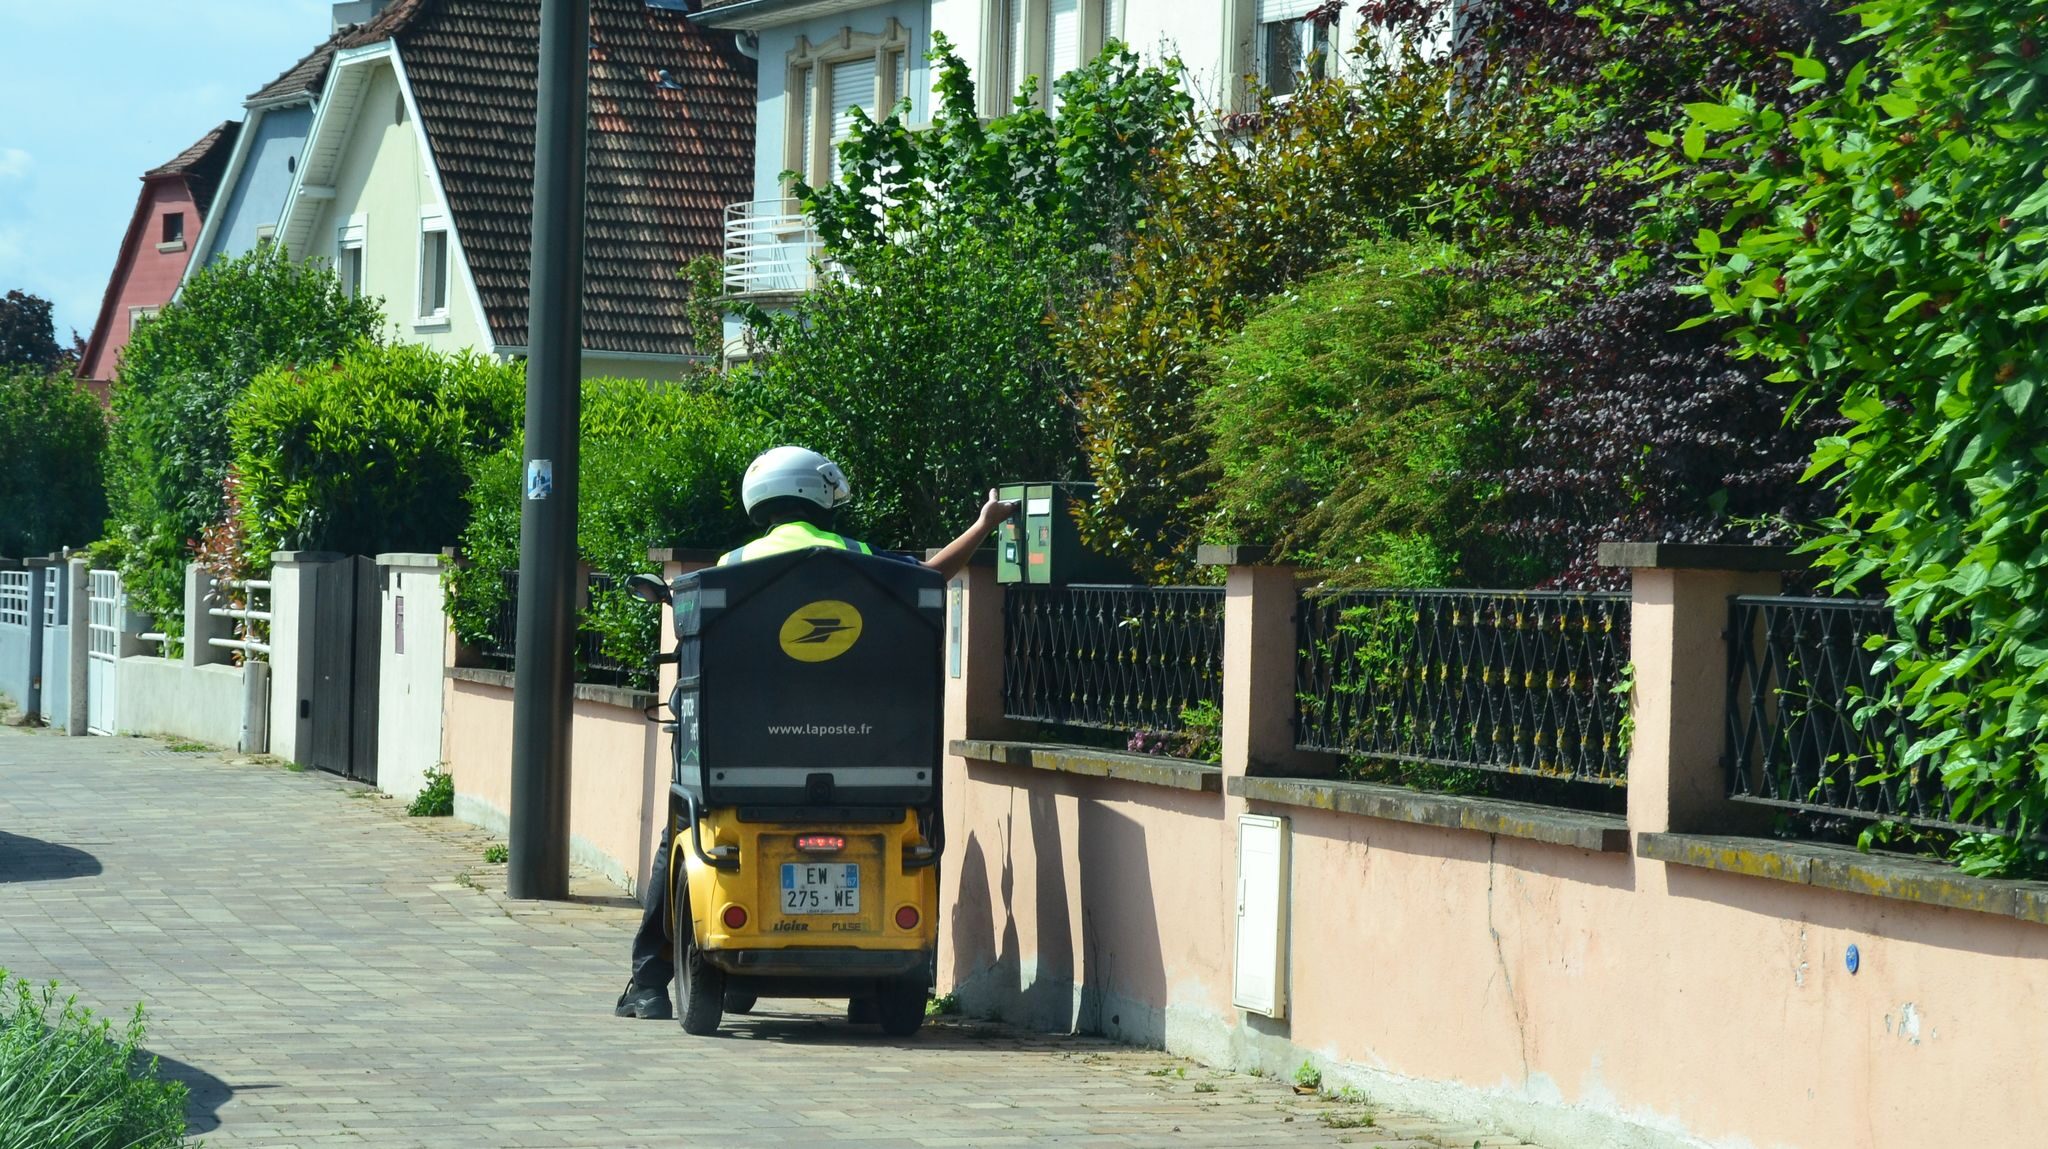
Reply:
x=1236, y=555
x=1701, y=557
x=306, y=558
x=403, y=559
x=38, y=564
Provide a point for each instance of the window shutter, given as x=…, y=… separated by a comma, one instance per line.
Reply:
x=853, y=86
x=1062, y=38
x=1018, y=68
x=899, y=72
x=1111, y=30
x=809, y=111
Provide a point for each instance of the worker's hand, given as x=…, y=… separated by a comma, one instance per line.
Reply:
x=995, y=511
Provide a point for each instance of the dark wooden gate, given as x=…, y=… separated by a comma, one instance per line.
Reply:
x=345, y=600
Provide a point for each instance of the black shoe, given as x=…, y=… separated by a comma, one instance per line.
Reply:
x=648, y=1002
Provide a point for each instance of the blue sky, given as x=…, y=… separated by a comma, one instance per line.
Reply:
x=95, y=92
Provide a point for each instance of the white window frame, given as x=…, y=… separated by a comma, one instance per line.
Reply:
x=814, y=60
x=1005, y=67
x=1262, y=34
x=433, y=222
x=137, y=314
x=352, y=237
x=1244, y=66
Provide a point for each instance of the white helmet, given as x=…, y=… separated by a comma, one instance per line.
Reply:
x=793, y=473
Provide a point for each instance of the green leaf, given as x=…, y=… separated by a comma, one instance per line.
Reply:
x=1906, y=305
x=2018, y=395
x=1695, y=142
x=1808, y=68
x=1716, y=117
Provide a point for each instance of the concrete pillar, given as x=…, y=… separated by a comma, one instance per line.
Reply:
x=1260, y=604
x=1678, y=622
x=292, y=590
x=78, y=597
x=412, y=646
x=199, y=625
x=40, y=572
x=973, y=655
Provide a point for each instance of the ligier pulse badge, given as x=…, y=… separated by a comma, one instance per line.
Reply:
x=820, y=631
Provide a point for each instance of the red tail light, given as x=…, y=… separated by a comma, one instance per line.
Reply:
x=735, y=917
x=820, y=843
x=906, y=918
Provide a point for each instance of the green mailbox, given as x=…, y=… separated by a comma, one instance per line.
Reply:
x=1042, y=544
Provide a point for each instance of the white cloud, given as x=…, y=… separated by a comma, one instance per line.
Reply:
x=14, y=163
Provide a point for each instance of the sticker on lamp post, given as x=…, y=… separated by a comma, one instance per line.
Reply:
x=540, y=478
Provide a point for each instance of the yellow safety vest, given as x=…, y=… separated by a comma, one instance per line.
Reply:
x=788, y=537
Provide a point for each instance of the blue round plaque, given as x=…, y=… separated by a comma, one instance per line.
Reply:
x=1853, y=959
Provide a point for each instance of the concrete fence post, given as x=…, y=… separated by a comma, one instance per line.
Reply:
x=199, y=625
x=78, y=596
x=40, y=573
x=1678, y=623
x=973, y=656
x=1260, y=604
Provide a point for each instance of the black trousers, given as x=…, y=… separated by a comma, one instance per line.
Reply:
x=653, y=963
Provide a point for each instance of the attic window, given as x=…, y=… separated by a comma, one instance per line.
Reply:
x=174, y=227
x=433, y=270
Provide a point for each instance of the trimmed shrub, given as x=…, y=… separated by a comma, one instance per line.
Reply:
x=68, y=1080
x=53, y=439
x=660, y=466
x=170, y=451
x=1346, y=427
x=370, y=454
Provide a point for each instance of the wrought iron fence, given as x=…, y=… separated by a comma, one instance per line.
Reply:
x=594, y=665
x=1114, y=657
x=1526, y=682
x=1804, y=730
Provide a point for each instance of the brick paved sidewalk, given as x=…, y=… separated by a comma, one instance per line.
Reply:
x=327, y=972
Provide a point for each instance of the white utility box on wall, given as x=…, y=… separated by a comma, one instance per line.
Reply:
x=1260, y=984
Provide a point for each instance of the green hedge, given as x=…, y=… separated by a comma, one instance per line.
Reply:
x=167, y=464
x=53, y=439
x=1346, y=426
x=371, y=454
x=660, y=467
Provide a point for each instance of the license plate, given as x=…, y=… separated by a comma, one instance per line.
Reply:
x=820, y=888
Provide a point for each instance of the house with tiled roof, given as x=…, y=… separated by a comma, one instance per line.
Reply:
x=276, y=120
x=416, y=179
x=155, y=248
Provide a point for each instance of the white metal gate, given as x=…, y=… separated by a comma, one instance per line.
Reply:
x=103, y=651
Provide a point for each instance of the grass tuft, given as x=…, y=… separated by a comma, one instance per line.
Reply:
x=68, y=1079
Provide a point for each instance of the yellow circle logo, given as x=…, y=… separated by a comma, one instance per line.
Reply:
x=820, y=631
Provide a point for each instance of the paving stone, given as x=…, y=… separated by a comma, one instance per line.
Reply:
x=328, y=972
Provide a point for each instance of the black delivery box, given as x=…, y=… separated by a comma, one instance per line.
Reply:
x=809, y=678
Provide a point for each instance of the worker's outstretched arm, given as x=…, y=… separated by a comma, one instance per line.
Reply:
x=953, y=555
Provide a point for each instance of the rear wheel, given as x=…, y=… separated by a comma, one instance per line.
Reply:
x=901, y=1005
x=700, y=986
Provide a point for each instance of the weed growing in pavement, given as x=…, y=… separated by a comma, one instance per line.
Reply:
x=437, y=799
x=1308, y=1077
x=1347, y=1120
x=497, y=852
x=466, y=879
x=183, y=746
x=72, y=1080
x=1204, y=1087
x=944, y=1005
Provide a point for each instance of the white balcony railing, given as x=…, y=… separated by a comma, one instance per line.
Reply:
x=770, y=248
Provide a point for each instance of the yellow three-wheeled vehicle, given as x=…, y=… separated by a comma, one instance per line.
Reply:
x=805, y=795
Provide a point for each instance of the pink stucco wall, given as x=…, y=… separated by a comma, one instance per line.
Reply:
x=142, y=276
x=612, y=800
x=1572, y=997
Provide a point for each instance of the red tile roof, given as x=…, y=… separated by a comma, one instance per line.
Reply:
x=663, y=162
x=201, y=164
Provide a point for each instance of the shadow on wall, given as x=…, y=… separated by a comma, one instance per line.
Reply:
x=34, y=860
x=1112, y=979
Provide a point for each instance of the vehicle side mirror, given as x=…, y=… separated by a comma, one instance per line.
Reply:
x=647, y=588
